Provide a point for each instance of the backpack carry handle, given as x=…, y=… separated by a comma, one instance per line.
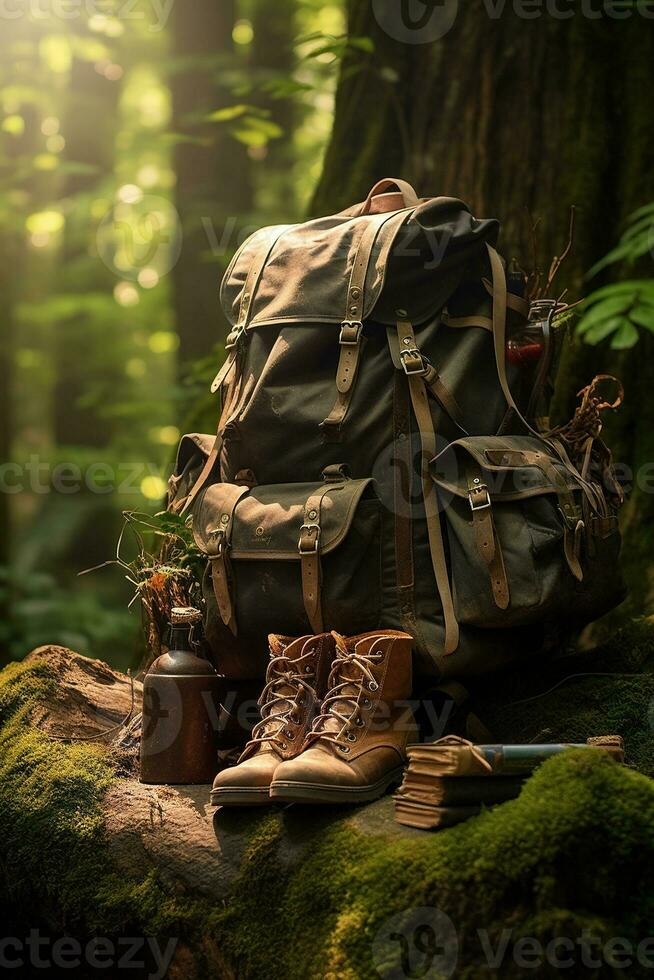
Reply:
x=406, y=190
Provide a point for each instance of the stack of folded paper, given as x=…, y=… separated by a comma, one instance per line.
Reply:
x=453, y=779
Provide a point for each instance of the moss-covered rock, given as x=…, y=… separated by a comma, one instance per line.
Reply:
x=323, y=893
x=607, y=690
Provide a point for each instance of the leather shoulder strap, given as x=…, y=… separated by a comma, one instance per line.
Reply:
x=245, y=311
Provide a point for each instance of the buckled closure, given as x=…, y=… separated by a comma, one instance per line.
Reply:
x=570, y=517
x=413, y=362
x=350, y=333
x=234, y=338
x=219, y=534
x=309, y=528
x=474, y=505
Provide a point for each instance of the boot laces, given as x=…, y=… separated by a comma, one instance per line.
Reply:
x=288, y=687
x=342, y=709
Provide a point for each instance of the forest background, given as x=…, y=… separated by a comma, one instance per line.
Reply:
x=141, y=141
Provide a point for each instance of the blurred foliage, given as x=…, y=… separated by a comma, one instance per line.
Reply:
x=91, y=229
x=42, y=612
x=618, y=310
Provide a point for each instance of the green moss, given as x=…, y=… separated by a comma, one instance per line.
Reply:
x=610, y=690
x=317, y=897
x=567, y=855
x=54, y=852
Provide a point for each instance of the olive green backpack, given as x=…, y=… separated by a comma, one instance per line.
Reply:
x=379, y=461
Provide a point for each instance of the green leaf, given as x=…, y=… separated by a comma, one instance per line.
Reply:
x=621, y=252
x=646, y=209
x=313, y=36
x=362, y=44
x=230, y=112
x=172, y=139
x=642, y=224
x=600, y=331
x=283, y=88
x=337, y=48
x=637, y=287
x=637, y=240
x=389, y=74
x=256, y=132
x=602, y=311
x=643, y=315
x=626, y=337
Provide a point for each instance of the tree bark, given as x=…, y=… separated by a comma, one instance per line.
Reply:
x=519, y=116
x=213, y=182
x=272, y=58
x=91, y=97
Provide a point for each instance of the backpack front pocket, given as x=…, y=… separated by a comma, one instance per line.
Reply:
x=291, y=558
x=529, y=540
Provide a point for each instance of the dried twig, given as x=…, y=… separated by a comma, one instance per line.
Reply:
x=557, y=261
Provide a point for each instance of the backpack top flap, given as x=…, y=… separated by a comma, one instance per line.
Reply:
x=409, y=259
x=266, y=521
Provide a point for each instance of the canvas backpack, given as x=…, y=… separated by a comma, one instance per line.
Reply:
x=374, y=465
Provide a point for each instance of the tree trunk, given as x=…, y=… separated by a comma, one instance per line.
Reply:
x=213, y=183
x=7, y=257
x=272, y=58
x=7, y=263
x=90, y=97
x=518, y=116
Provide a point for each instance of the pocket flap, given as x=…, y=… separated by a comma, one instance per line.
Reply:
x=513, y=467
x=265, y=522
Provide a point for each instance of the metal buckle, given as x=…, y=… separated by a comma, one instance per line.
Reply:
x=413, y=353
x=234, y=338
x=221, y=545
x=354, y=325
x=309, y=551
x=482, y=488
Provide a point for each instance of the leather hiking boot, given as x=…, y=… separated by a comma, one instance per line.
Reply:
x=296, y=681
x=356, y=748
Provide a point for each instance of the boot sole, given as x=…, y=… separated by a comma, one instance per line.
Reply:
x=291, y=791
x=240, y=796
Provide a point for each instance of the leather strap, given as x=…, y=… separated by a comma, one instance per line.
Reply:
x=572, y=549
x=220, y=572
x=351, y=343
x=351, y=339
x=411, y=199
x=432, y=379
x=516, y=303
x=444, y=397
x=235, y=337
x=232, y=345
x=206, y=471
x=456, y=322
x=567, y=505
x=415, y=369
x=488, y=544
x=402, y=487
x=572, y=537
x=499, y=295
x=309, y=548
